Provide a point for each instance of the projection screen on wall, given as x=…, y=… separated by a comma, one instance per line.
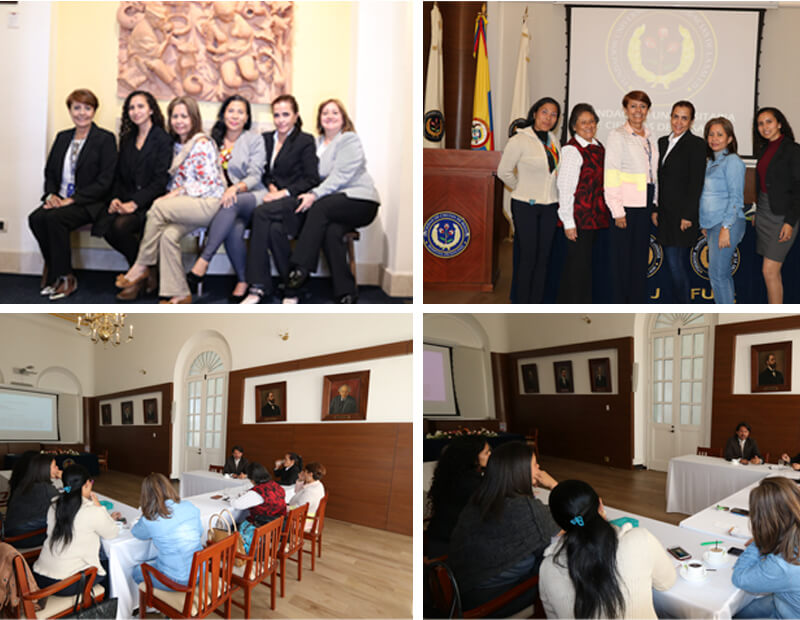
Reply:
x=708, y=57
x=28, y=416
x=438, y=392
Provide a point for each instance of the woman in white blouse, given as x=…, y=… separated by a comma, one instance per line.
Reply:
x=528, y=167
x=309, y=490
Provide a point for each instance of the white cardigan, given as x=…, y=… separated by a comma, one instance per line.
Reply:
x=91, y=524
x=311, y=494
x=642, y=563
x=532, y=179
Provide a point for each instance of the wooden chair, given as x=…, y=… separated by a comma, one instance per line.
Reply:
x=703, y=451
x=292, y=542
x=102, y=460
x=766, y=457
x=209, y=589
x=29, y=553
x=56, y=606
x=315, y=533
x=262, y=562
x=216, y=468
x=446, y=599
x=532, y=439
x=4, y=499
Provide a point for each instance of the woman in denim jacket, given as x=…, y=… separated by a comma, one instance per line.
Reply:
x=721, y=206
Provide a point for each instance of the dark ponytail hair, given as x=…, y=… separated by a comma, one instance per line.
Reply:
x=68, y=504
x=295, y=108
x=508, y=474
x=528, y=122
x=591, y=544
x=219, y=129
x=298, y=460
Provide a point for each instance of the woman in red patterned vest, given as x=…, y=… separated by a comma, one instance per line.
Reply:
x=582, y=207
x=266, y=501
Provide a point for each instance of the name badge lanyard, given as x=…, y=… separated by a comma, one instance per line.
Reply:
x=648, y=150
x=73, y=163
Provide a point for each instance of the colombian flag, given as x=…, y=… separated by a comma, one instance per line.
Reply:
x=482, y=126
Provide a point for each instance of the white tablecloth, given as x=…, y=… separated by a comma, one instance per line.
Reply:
x=717, y=523
x=716, y=597
x=694, y=482
x=199, y=482
x=5, y=476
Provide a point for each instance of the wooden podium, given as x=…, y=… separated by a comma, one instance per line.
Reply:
x=464, y=183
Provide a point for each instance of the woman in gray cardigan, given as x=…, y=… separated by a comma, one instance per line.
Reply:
x=346, y=199
x=243, y=160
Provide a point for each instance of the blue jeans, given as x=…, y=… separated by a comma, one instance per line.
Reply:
x=719, y=261
x=763, y=607
x=675, y=258
x=229, y=225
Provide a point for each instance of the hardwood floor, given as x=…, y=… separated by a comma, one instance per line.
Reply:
x=363, y=572
x=639, y=491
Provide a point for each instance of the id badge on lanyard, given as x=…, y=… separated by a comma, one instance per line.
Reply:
x=70, y=189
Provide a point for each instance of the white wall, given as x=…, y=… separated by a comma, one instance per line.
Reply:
x=23, y=134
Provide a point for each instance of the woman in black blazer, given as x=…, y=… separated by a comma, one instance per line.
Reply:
x=292, y=169
x=778, y=184
x=77, y=181
x=145, y=154
x=681, y=174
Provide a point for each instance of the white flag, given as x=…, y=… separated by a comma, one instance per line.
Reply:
x=434, y=87
x=520, y=102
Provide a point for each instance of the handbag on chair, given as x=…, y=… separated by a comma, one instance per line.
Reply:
x=216, y=534
x=107, y=608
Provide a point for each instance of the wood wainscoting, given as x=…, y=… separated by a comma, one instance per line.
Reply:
x=776, y=425
x=132, y=448
x=573, y=426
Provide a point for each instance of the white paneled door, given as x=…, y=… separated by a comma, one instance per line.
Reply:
x=205, y=414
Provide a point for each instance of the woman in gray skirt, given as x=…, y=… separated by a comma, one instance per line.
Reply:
x=778, y=183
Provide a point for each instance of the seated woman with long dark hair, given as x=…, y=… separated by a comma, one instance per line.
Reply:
x=596, y=570
x=30, y=501
x=503, y=531
x=75, y=524
x=288, y=469
x=266, y=502
x=458, y=474
x=173, y=525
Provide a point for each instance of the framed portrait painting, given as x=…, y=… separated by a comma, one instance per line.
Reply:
x=563, y=376
x=530, y=379
x=271, y=402
x=127, y=412
x=600, y=374
x=105, y=414
x=150, y=406
x=344, y=396
x=771, y=367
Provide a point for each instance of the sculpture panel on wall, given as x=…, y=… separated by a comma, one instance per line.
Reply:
x=208, y=50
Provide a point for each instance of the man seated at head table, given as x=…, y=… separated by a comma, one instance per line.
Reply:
x=236, y=463
x=742, y=447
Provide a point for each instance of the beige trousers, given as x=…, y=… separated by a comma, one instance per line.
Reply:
x=168, y=221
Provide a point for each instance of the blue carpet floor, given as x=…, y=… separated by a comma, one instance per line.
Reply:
x=97, y=287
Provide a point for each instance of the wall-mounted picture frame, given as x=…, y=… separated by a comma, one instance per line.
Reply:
x=105, y=414
x=271, y=402
x=127, y=412
x=530, y=379
x=563, y=375
x=344, y=396
x=150, y=406
x=600, y=374
x=771, y=367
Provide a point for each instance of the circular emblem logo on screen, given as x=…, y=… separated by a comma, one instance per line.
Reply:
x=480, y=133
x=699, y=259
x=655, y=258
x=674, y=51
x=446, y=234
x=434, y=126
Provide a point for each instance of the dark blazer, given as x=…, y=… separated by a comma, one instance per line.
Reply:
x=296, y=166
x=680, y=183
x=346, y=405
x=783, y=182
x=141, y=176
x=230, y=466
x=284, y=476
x=94, y=172
x=732, y=450
x=270, y=410
x=767, y=377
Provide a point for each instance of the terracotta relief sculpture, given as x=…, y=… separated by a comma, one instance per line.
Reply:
x=205, y=49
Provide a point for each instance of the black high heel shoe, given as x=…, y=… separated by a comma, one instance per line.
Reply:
x=193, y=280
x=297, y=277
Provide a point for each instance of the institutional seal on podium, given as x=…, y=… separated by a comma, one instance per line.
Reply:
x=446, y=234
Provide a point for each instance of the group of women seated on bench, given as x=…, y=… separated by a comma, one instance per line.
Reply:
x=167, y=181
x=499, y=535
x=76, y=521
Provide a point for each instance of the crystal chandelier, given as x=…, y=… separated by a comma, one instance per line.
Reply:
x=103, y=327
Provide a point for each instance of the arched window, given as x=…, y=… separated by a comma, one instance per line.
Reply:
x=205, y=415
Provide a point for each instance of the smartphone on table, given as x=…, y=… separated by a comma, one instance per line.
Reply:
x=679, y=553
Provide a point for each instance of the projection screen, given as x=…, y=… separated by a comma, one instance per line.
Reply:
x=28, y=416
x=438, y=391
x=709, y=57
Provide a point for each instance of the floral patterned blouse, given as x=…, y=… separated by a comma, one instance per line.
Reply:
x=198, y=176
